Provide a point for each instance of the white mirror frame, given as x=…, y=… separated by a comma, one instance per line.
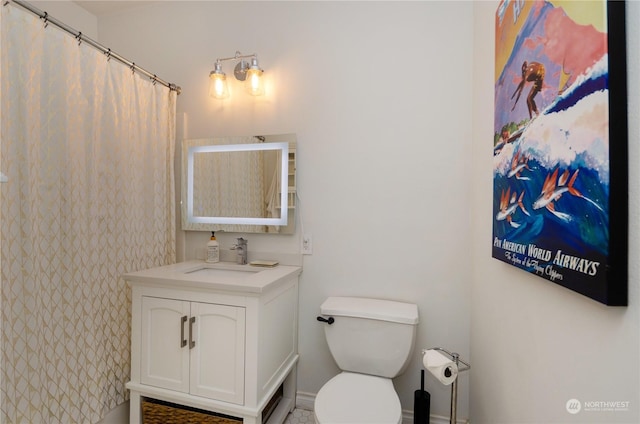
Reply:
x=282, y=220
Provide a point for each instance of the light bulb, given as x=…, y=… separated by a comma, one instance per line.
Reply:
x=253, y=82
x=218, y=83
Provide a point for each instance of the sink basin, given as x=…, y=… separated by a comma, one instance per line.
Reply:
x=222, y=273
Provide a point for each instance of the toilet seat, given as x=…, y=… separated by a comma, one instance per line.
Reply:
x=350, y=398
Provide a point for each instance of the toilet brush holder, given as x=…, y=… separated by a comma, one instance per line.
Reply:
x=421, y=403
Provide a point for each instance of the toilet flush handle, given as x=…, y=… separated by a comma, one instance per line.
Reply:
x=329, y=321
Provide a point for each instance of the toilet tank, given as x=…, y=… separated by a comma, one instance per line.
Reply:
x=370, y=336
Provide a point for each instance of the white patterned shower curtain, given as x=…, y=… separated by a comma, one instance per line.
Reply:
x=88, y=147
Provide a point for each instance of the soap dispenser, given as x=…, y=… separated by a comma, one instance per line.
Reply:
x=213, y=249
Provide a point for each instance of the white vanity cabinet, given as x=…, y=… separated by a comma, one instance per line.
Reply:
x=216, y=337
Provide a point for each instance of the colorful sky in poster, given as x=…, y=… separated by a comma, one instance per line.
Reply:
x=585, y=17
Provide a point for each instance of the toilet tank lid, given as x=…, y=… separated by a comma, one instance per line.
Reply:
x=378, y=309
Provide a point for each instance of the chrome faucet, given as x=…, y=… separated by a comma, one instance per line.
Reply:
x=241, y=251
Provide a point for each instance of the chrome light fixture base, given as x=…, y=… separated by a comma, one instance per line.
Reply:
x=240, y=71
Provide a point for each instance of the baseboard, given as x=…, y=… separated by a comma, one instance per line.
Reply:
x=306, y=400
x=433, y=419
x=118, y=415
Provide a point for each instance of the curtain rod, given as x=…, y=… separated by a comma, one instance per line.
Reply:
x=83, y=38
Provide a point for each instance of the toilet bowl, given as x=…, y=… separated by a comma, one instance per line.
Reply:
x=351, y=398
x=371, y=341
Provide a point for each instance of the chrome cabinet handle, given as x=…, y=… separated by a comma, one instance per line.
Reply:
x=183, y=341
x=192, y=342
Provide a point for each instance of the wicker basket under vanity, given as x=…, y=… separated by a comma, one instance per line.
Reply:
x=159, y=412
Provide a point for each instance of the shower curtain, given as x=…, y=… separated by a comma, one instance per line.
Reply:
x=87, y=146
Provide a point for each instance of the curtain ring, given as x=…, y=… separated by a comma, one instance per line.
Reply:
x=132, y=67
x=45, y=18
x=108, y=53
x=79, y=37
x=154, y=79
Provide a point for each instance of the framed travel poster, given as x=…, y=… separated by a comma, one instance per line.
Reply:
x=560, y=167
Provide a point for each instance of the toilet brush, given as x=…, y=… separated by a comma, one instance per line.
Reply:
x=421, y=403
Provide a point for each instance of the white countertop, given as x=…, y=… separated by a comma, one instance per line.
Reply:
x=223, y=276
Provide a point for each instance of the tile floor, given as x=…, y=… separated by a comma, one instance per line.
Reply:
x=300, y=416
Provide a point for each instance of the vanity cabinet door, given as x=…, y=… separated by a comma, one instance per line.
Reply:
x=164, y=360
x=193, y=347
x=217, y=358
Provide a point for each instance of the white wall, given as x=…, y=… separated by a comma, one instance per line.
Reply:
x=536, y=345
x=379, y=94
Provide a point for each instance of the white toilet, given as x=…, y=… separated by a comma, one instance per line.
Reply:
x=371, y=340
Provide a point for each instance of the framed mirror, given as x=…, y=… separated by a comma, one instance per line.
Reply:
x=239, y=184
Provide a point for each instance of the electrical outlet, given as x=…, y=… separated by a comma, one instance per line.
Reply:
x=307, y=244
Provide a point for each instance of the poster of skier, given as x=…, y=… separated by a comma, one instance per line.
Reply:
x=560, y=144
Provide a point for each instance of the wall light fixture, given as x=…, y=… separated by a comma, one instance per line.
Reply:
x=249, y=72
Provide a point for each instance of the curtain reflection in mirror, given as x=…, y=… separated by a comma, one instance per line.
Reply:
x=219, y=176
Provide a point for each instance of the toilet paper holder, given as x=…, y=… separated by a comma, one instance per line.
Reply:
x=462, y=366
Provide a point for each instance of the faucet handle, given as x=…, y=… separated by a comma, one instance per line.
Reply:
x=241, y=248
x=240, y=243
